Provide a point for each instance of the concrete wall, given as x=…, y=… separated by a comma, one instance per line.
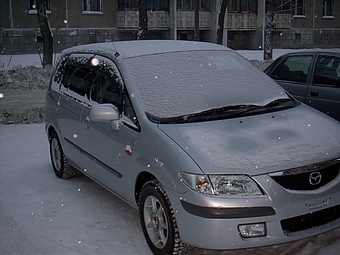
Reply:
x=21, y=41
x=306, y=38
x=60, y=15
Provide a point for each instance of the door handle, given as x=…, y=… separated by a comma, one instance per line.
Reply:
x=87, y=122
x=314, y=93
x=58, y=105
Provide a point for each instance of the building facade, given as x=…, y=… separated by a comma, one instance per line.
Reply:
x=297, y=23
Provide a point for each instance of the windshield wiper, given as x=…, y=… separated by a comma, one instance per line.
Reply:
x=212, y=114
x=226, y=111
x=279, y=101
x=229, y=111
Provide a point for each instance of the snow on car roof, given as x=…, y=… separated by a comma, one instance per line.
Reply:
x=145, y=47
x=306, y=51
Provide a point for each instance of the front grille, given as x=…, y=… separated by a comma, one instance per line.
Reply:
x=309, y=177
x=310, y=220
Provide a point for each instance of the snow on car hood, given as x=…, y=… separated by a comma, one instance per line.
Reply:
x=259, y=144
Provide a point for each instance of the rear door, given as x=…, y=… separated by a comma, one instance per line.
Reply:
x=324, y=91
x=74, y=94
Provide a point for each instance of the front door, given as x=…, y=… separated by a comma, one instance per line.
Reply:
x=101, y=142
x=293, y=75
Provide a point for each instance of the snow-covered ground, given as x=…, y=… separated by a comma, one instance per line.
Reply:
x=42, y=214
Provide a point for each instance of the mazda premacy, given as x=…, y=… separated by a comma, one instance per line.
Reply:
x=212, y=152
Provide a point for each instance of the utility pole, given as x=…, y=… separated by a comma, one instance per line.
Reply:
x=268, y=29
x=173, y=19
x=197, y=20
x=143, y=19
x=46, y=32
x=220, y=25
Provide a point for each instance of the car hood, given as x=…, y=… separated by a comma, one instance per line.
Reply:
x=259, y=144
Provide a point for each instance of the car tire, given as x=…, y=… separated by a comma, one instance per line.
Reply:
x=60, y=163
x=158, y=221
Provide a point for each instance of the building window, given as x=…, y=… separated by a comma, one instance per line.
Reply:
x=127, y=5
x=283, y=6
x=153, y=5
x=185, y=5
x=299, y=7
x=158, y=5
x=33, y=7
x=328, y=8
x=92, y=6
x=189, y=5
x=243, y=6
x=295, y=7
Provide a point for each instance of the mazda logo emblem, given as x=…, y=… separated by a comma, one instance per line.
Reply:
x=315, y=178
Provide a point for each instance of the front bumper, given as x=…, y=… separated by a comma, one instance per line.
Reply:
x=227, y=213
x=211, y=222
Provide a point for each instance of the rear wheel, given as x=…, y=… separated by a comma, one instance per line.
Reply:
x=158, y=221
x=60, y=164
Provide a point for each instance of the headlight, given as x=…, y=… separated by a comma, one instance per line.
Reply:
x=197, y=182
x=235, y=185
x=225, y=185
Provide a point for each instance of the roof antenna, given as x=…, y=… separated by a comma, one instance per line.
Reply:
x=116, y=52
x=113, y=44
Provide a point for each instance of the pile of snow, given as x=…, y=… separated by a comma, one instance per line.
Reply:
x=22, y=93
x=25, y=78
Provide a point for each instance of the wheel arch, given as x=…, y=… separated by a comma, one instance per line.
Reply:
x=142, y=178
x=51, y=129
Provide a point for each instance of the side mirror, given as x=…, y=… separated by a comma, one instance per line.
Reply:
x=105, y=113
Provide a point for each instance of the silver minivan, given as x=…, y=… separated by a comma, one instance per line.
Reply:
x=212, y=152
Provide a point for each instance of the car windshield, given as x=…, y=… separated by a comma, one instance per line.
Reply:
x=183, y=83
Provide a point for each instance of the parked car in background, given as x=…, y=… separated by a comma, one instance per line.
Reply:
x=313, y=77
x=212, y=152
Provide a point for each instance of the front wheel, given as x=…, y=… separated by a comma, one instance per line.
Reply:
x=60, y=164
x=158, y=221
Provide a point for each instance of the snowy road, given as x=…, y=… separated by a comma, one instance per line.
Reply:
x=41, y=214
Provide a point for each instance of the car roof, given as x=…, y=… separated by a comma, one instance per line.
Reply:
x=312, y=51
x=129, y=49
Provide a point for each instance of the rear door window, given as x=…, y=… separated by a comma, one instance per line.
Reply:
x=327, y=71
x=76, y=81
x=324, y=93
